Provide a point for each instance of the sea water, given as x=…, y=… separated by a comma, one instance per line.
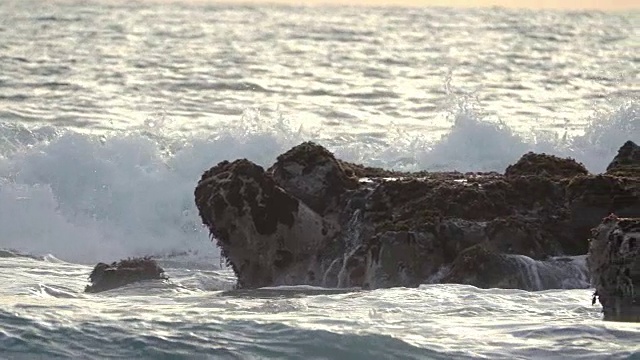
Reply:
x=110, y=112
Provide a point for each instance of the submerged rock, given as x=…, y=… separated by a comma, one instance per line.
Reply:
x=110, y=276
x=614, y=264
x=308, y=220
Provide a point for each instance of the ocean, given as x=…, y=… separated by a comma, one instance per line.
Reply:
x=111, y=110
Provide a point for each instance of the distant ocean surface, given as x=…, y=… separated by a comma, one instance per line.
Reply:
x=110, y=112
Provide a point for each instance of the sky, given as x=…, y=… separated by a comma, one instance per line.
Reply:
x=532, y=4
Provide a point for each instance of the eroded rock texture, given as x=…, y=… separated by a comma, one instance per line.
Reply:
x=614, y=264
x=313, y=219
x=545, y=165
x=312, y=174
x=110, y=276
x=267, y=235
x=627, y=162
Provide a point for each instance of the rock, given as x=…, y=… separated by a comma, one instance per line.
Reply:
x=524, y=236
x=590, y=198
x=532, y=164
x=627, y=162
x=399, y=258
x=267, y=236
x=312, y=174
x=484, y=267
x=614, y=264
x=456, y=235
x=110, y=276
x=309, y=220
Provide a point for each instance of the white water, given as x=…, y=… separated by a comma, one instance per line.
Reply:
x=94, y=197
x=46, y=315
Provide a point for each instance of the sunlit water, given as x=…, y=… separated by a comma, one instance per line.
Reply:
x=109, y=113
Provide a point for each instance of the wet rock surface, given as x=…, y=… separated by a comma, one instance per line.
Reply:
x=314, y=219
x=117, y=274
x=545, y=165
x=614, y=265
x=264, y=232
x=312, y=174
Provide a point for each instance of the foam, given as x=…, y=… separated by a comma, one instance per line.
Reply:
x=88, y=198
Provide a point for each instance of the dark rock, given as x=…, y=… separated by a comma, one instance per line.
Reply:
x=483, y=266
x=590, y=198
x=532, y=164
x=110, y=276
x=614, y=264
x=627, y=162
x=456, y=235
x=308, y=220
x=399, y=258
x=524, y=236
x=312, y=174
x=267, y=236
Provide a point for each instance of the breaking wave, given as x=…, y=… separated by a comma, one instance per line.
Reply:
x=87, y=197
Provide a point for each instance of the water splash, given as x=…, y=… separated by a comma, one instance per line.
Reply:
x=85, y=197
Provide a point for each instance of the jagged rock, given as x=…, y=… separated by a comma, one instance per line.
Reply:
x=267, y=236
x=312, y=174
x=627, y=162
x=614, y=264
x=545, y=165
x=308, y=221
x=110, y=276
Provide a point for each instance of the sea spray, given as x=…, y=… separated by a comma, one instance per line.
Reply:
x=94, y=198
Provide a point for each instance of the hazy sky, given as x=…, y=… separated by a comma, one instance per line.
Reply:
x=535, y=4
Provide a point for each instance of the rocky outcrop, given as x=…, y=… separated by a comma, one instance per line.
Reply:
x=267, y=235
x=110, y=276
x=626, y=163
x=313, y=219
x=614, y=264
x=545, y=165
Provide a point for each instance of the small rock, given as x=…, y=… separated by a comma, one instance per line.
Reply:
x=110, y=276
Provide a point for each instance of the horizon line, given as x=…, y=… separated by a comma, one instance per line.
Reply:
x=569, y=5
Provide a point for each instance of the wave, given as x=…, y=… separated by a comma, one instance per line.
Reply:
x=89, y=197
x=215, y=339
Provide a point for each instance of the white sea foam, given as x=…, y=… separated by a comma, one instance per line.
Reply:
x=86, y=197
